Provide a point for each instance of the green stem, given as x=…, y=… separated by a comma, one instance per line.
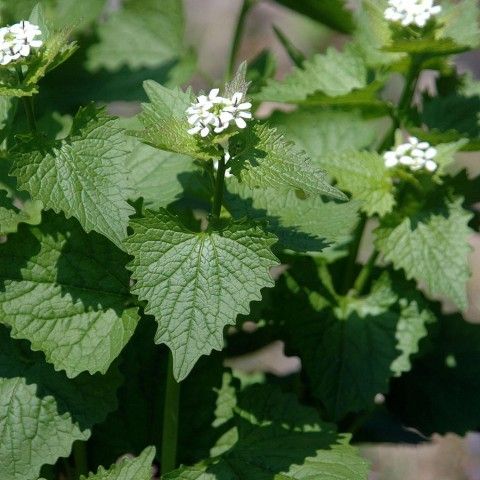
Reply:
x=237, y=36
x=352, y=258
x=27, y=103
x=404, y=103
x=80, y=458
x=170, y=420
x=365, y=273
x=219, y=186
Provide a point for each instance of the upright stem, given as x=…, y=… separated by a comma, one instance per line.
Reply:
x=170, y=420
x=80, y=458
x=219, y=186
x=27, y=103
x=352, y=258
x=365, y=273
x=237, y=36
x=405, y=101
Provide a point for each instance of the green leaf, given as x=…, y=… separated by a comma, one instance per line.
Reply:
x=11, y=216
x=333, y=13
x=73, y=309
x=83, y=175
x=411, y=328
x=261, y=157
x=440, y=394
x=373, y=33
x=159, y=177
x=431, y=247
x=333, y=73
x=319, y=132
x=426, y=46
x=365, y=176
x=197, y=283
x=276, y=437
x=144, y=33
x=165, y=123
x=309, y=224
x=43, y=411
x=460, y=23
x=139, y=468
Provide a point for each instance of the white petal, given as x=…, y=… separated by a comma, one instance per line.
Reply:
x=226, y=117
x=227, y=156
x=240, y=122
x=436, y=10
x=406, y=160
x=244, y=106
x=228, y=173
x=244, y=115
x=204, y=132
x=431, y=153
x=416, y=152
x=213, y=93
x=237, y=97
x=413, y=141
x=36, y=43
x=423, y=145
x=403, y=148
x=194, y=130
x=391, y=162
x=430, y=165
x=193, y=119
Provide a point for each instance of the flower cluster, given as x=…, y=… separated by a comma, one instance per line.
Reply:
x=18, y=40
x=411, y=12
x=413, y=154
x=215, y=113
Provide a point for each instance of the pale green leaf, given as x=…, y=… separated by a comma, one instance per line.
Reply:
x=159, y=177
x=165, y=123
x=83, y=175
x=143, y=33
x=365, y=176
x=197, y=283
x=333, y=73
x=276, y=437
x=323, y=131
x=460, y=22
x=411, y=328
x=432, y=248
x=73, y=307
x=44, y=412
x=262, y=157
x=11, y=216
x=301, y=224
x=139, y=468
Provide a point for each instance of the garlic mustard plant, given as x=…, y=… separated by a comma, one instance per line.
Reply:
x=411, y=12
x=144, y=258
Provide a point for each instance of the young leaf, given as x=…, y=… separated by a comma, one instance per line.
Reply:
x=333, y=73
x=319, y=132
x=43, y=411
x=159, y=177
x=276, y=437
x=309, y=224
x=333, y=13
x=411, y=328
x=83, y=175
x=365, y=176
x=143, y=33
x=460, y=23
x=165, y=123
x=262, y=157
x=197, y=283
x=73, y=307
x=432, y=248
x=139, y=468
x=11, y=216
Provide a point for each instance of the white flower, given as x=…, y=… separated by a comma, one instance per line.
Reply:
x=216, y=113
x=411, y=12
x=414, y=154
x=18, y=40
